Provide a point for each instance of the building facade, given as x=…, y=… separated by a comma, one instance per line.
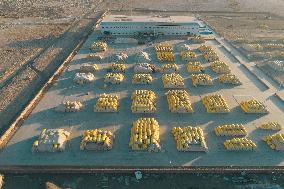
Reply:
x=150, y=25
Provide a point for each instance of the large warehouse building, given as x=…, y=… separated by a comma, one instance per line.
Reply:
x=155, y=25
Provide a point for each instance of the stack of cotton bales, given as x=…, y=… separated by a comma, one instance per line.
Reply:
x=165, y=56
x=169, y=68
x=51, y=140
x=205, y=48
x=107, y=103
x=220, y=67
x=86, y=68
x=70, y=106
x=275, y=142
x=165, y=47
x=143, y=57
x=145, y=135
x=271, y=125
x=144, y=68
x=210, y=56
x=230, y=130
x=189, y=139
x=215, y=104
x=201, y=79
x=81, y=78
x=274, y=46
x=172, y=80
x=143, y=101
x=120, y=57
x=188, y=55
x=97, y=139
x=142, y=79
x=253, y=106
x=114, y=78
x=198, y=39
x=194, y=67
x=179, y=101
x=230, y=79
x=239, y=144
x=277, y=65
x=117, y=67
x=164, y=52
x=95, y=56
x=99, y=46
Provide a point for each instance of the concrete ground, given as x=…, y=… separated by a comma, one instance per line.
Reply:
x=18, y=150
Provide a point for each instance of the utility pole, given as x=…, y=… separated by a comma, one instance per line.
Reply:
x=131, y=4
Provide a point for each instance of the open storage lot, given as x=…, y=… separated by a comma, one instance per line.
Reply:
x=18, y=150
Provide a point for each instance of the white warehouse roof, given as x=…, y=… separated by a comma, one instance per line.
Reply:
x=150, y=18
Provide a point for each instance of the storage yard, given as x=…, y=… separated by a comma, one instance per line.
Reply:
x=165, y=116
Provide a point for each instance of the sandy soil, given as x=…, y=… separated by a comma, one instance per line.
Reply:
x=21, y=42
x=273, y=6
x=243, y=29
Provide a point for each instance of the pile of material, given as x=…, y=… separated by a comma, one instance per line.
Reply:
x=164, y=52
x=143, y=101
x=81, y=78
x=107, y=103
x=189, y=139
x=114, y=78
x=70, y=106
x=215, y=104
x=117, y=68
x=142, y=79
x=188, y=55
x=164, y=47
x=86, y=68
x=144, y=68
x=97, y=139
x=169, y=68
x=120, y=57
x=172, y=80
x=179, y=101
x=205, y=48
x=201, y=79
x=211, y=56
x=220, y=67
x=99, y=46
x=165, y=56
x=253, y=106
x=51, y=140
x=239, y=144
x=143, y=57
x=183, y=47
x=194, y=67
x=230, y=130
x=275, y=142
x=95, y=56
x=272, y=125
x=145, y=135
x=277, y=65
x=230, y=79
x=197, y=39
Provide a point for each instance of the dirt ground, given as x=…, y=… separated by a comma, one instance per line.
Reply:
x=252, y=34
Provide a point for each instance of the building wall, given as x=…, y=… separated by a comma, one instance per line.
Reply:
x=132, y=28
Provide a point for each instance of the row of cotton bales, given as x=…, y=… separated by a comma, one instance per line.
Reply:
x=145, y=101
x=145, y=136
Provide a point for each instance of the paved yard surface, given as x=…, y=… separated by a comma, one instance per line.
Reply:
x=18, y=151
